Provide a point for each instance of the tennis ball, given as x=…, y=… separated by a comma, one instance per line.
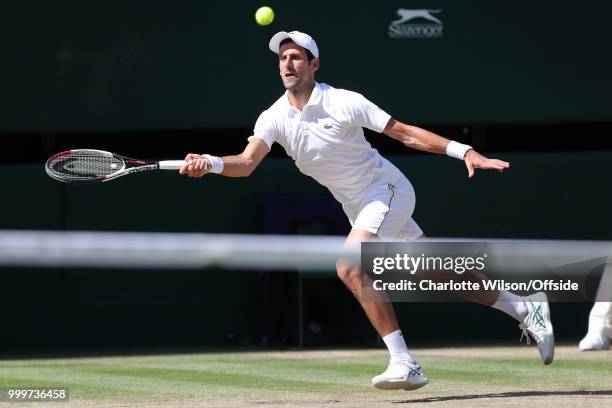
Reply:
x=264, y=15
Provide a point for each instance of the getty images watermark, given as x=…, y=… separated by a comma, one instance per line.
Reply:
x=448, y=271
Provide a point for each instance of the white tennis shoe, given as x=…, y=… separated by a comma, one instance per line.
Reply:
x=594, y=340
x=537, y=324
x=401, y=376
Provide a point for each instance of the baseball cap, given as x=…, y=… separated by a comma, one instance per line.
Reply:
x=301, y=39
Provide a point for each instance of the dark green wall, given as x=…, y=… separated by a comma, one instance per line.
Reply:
x=561, y=195
x=77, y=65
x=550, y=195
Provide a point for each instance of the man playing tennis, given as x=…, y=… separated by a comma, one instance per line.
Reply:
x=321, y=128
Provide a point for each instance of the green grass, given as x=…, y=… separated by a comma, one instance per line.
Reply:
x=233, y=379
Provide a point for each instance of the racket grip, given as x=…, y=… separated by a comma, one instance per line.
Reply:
x=171, y=164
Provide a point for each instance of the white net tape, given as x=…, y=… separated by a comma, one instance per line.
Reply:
x=170, y=250
x=189, y=251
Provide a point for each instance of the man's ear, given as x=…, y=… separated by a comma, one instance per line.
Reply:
x=316, y=63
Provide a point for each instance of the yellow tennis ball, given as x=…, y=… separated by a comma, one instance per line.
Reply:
x=264, y=15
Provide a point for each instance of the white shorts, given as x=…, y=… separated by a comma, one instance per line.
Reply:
x=387, y=212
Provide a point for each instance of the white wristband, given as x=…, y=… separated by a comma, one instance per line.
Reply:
x=215, y=162
x=457, y=150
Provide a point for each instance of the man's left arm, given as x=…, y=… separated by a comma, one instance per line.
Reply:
x=421, y=139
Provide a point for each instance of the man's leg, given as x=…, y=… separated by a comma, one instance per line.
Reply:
x=505, y=301
x=404, y=372
x=532, y=312
x=380, y=313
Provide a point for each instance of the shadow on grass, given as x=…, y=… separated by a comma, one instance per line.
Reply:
x=507, y=395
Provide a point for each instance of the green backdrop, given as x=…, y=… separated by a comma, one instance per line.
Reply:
x=100, y=65
x=560, y=195
x=543, y=195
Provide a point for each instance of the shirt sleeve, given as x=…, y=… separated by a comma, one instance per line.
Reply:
x=364, y=113
x=265, y=129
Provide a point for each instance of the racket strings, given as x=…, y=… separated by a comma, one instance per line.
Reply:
x=83, y=166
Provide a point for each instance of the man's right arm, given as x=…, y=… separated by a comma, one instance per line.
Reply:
x=241, y=165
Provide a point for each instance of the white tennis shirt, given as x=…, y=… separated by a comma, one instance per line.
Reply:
x=326, y=140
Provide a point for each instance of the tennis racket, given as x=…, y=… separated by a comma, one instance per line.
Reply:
x=97, y=166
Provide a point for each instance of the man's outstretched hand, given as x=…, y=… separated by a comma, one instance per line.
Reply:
x=474, y=160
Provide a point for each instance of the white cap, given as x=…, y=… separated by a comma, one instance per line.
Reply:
x=301, y=39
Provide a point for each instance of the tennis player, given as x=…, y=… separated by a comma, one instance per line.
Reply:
x=321, y=128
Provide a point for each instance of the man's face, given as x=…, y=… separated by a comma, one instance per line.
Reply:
x=295, y=70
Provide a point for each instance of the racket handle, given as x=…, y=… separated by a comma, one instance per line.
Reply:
x=171, y=164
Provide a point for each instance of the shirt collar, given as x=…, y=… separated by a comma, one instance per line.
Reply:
x=315, y=97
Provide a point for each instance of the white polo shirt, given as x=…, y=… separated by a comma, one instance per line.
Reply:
x=326, y=141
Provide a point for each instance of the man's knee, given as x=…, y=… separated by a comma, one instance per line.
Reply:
x=348, y=273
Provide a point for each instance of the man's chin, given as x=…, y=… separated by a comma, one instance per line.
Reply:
x=291, y=84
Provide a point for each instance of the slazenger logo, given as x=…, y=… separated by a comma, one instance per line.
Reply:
x=411, y=24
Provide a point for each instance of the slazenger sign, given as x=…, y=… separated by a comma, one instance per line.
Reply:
x=416, y=24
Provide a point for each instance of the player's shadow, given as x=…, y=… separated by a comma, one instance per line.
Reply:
x=507, y=395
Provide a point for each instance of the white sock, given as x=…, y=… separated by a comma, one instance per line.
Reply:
x=397, y=347
x=511, y=304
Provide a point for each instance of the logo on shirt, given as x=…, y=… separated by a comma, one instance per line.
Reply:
x=416, y=24
x=328, y=126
